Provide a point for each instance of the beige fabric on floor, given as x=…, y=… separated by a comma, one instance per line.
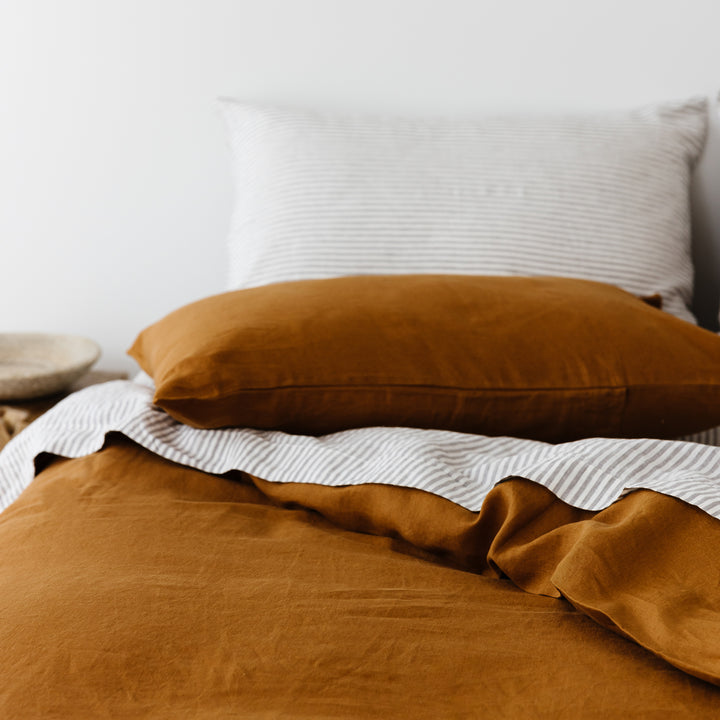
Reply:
x=12, y=421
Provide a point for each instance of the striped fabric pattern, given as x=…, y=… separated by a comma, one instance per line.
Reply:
x=462, y=468
x=601, y=197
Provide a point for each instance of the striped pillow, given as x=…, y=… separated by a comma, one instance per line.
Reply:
x=601, y=197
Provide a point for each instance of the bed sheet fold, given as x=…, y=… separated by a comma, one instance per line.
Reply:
x=647, y=567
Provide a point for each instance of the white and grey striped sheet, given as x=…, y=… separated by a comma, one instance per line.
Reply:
x=463, y=468
x=601, y=197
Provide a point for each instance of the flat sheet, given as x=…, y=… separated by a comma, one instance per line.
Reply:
x=589, y=474
x=132, y=587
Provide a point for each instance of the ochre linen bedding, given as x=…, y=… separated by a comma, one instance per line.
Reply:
x=132, y=587
x=552, y=359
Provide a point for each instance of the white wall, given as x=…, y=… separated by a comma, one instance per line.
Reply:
x=114, y=180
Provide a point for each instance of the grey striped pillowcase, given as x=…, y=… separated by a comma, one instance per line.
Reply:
x=603, y=197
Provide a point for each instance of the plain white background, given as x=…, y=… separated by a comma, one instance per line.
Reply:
x=115, y=183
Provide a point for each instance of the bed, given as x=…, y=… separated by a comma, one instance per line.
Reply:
x=445, y=445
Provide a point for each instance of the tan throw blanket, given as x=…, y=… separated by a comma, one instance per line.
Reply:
x=12, y=421
x=131, y=587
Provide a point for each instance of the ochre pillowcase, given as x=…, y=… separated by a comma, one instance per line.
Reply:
x=546, y=358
